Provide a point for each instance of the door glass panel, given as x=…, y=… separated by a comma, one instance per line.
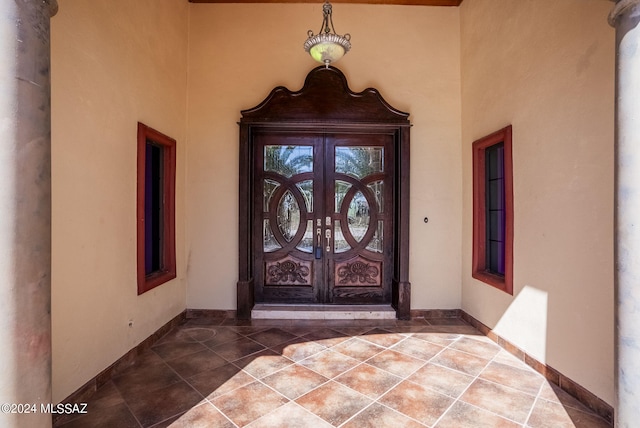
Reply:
x=340, y=245
x=306, y=244
x=358, y=216
x=288, y=215
x=306, y=188
x=288, y=160
x=342, y=187
x=377, y=188
x=359, y=161
x=269, y=241
x=269, y=188
x=375, y=244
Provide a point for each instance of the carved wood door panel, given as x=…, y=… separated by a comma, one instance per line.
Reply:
x=323, y=217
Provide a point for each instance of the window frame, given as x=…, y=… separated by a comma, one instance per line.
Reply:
x=479, y=260
x=167, y=269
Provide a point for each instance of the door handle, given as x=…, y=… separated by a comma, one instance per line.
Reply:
x=327, y=234
x=318, y=253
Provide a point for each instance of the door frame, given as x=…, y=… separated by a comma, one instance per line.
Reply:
x=325, y=104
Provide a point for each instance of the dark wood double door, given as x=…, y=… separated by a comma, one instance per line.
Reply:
x=323, y=217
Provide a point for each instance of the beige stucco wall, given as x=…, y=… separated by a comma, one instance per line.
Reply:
x=114, y=63
x=547, y=68
x=238, y=53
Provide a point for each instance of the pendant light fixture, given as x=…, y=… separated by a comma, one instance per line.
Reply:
x=327, y=46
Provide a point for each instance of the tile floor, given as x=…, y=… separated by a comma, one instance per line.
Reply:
x=352, y=374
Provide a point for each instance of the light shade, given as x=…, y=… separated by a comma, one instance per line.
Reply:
x=327, y=46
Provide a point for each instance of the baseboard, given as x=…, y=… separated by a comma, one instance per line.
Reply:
x=210, y=313
x=579, y=392
x=82, y=394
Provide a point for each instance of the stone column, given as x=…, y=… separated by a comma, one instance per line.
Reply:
x=625, y=17
x=25, y=212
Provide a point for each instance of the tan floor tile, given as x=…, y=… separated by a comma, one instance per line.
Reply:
x=249, y=403
x=263, y=363
x=192, y=364
x=114, y=416
x=382, y=337
x=442, y=380
x=553, y=415
x=298, y=349
x=163, y=403
x=418, y=348
x=394, y=362
x=329, y=363
x=237, y=349
x=326, y=337
x=460, y=361
x=220, y=381
x=477, y=347
x=378, y=416
x=523, y=380
x=358, y=349
x=442, y=339
x=223, y=335
x=294, y=381
x=172, y=350
x=504, y=401
x=368, y=380
x=417, y=402
x=291, y=415
x=333, y=402
x=272, y=336
x=462, y=415
x=202, y=416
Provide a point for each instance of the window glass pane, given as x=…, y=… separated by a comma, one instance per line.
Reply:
x=269, y=241
x=377, y=188
x=494, y=209
x=340, y=245
x=153, y=208
x=306, y=244
x=269, y=188
x=496, y=260
x=358, y=216
x=375, y=244
x=495, y=161
x=288, y=215
x=288, y=160
x=495, y=194
x=342, y=187
x=496, y=226
x=359, y=161
x=306, y=188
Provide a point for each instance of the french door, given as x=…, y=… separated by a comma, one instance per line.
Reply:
x=323, y=214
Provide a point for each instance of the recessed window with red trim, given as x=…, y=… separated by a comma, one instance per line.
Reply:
x=493, y=210
x=156, y=250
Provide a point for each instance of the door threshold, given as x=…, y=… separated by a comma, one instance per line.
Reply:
x=322, y=312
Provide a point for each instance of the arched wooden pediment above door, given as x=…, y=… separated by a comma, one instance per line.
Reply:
x=324, y=198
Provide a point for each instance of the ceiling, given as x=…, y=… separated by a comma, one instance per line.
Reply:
x=405, y=2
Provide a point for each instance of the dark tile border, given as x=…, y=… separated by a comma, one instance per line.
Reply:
x=82, y=394
x=579, y=392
